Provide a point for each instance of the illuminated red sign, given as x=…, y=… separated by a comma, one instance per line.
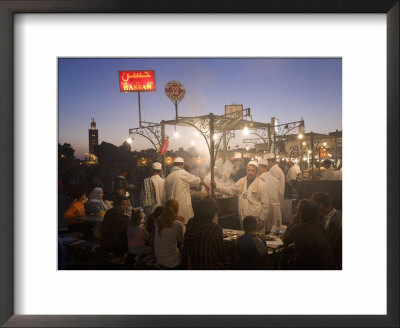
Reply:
x=137, y=81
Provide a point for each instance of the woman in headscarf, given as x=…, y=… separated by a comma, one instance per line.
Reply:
x=96, y=205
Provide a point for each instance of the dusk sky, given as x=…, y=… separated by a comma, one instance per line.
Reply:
x=289, y=89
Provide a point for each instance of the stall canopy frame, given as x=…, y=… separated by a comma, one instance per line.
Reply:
x=209, y=125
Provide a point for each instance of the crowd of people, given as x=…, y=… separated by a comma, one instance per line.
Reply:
x=167, y=230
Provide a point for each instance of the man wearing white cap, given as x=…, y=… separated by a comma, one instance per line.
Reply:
x=177, y=185
x=272, y=185
x=154, y=190
x=294, y=169
x=277, y=172
x=252, y=195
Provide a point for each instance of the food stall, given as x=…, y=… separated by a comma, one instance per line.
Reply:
x=217, y=131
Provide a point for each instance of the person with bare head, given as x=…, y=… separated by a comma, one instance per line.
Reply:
x=203, y=246
x=252, y=196
x=313, y=249
x=329, y=173
x=114, y=227
x=250, y=250
x=168, y=236
x=331, y=220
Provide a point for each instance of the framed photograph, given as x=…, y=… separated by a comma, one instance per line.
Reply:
x=34, y=35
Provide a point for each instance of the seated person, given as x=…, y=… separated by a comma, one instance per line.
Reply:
x=203, y=246
x=138, y=238
x=331, y=220
x=151, y=220
x=168, y=236
x=96, y=205
x=115, y=225
x=250, y=250
x=313, y=248
x=76, y=211
x=150, y=224
x=121, y=192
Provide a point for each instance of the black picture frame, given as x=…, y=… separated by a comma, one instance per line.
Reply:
x=7, y=10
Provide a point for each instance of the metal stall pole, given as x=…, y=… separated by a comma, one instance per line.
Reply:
x=269, y=137
x=176, y=111
x=319, y=160
x=312, y=155
x=140, y=111
x=225, y=146
x=162, y=141
x=212, y=161
x=301, y=156
x=336, y=158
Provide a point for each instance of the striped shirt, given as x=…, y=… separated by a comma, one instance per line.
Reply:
x=203, y=247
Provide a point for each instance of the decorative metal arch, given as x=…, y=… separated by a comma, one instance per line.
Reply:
x=285, y=128
x=150, y=131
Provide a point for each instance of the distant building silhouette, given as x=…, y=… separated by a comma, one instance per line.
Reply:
x=93, y=137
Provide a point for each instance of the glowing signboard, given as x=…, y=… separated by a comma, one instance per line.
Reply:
x=175, y=91
x=137, y=81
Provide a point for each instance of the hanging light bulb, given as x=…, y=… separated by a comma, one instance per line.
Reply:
x=176, y=134
x=324, y=144
x=300, y=136
x=304, y=143
x=129, y=140
x=247, y=147
x=245, y=131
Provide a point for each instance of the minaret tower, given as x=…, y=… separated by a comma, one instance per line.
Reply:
x=93, y=136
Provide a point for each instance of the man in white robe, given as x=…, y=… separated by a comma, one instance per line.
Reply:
x=277, y=172
x=293, y=171
x=272, y=186
x=177, y=185
x=154, y=194
x=252, y=196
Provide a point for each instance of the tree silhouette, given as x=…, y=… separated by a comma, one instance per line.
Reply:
x=65, y=152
